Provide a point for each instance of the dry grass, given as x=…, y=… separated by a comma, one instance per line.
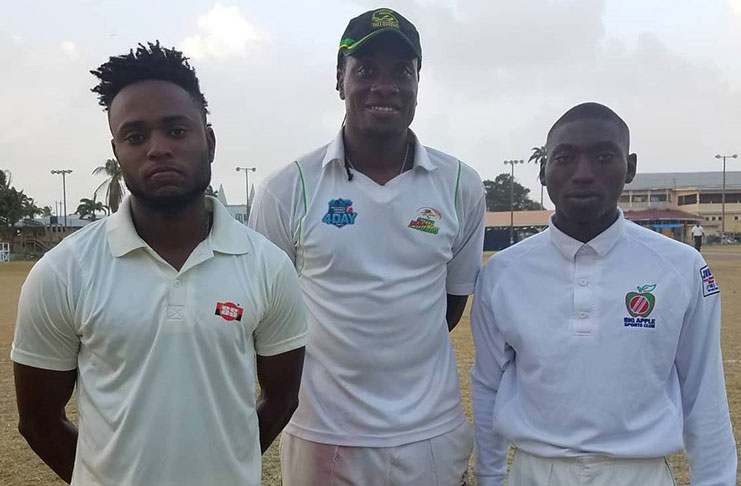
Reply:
x=20, y=467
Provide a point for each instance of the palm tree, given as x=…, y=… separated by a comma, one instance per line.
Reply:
x=88, y=208
x=539, y=156
x=113, y=184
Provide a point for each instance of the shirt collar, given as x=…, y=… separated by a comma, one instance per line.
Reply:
x=601, y=244
x=226, y=234
x=336, y=152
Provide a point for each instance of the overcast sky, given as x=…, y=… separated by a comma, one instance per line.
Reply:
x=496, y=75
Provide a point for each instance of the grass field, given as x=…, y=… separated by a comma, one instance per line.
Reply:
x=19, y=466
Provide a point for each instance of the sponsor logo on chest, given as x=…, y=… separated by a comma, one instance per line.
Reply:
x=640, y=305
x=229, y=311
x=340, y=213
x=426, y=220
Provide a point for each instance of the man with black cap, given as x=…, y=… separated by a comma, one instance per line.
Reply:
x=387, y=237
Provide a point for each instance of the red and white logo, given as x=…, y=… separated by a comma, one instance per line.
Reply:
x=229, y=311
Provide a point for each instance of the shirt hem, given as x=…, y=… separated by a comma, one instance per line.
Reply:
x=357, y=440
x=284, y=347
x=462, y=289
x=35, y=361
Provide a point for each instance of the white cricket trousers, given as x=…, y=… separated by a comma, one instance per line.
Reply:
x=440, y=461
x=531, y=470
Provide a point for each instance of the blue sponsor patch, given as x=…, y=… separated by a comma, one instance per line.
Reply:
x=340, y=213
x=709, y=285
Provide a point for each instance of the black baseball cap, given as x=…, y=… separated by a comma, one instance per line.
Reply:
x=372, y=23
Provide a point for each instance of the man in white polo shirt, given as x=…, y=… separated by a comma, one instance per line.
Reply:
x=697, y=233
x=597, y=341
x=387, y=237
x=159, y=313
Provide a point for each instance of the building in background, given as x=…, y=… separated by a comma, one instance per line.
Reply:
x=672, y=201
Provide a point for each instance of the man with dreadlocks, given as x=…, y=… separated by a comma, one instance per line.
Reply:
x=159, y=313
x=387, y=236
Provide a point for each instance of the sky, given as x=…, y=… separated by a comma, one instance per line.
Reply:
x=496, y=74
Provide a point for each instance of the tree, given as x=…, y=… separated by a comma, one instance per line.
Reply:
x=114, y=183
x=14, y=206
x=46, y=211
x=497, y=195
x=88, y=208
x=539, y=156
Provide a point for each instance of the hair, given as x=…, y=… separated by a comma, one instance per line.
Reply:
x=591, y=111
x=150, y=62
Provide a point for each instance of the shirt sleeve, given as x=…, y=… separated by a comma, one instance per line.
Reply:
x=283, y=327
x=492, y=357
x=269, y=217
x=708, y=437
x=468, y=247
x=45, y=334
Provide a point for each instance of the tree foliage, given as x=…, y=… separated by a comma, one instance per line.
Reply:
x=113, y=184
x=15, y=206
x=498, y=194
x=88, y=208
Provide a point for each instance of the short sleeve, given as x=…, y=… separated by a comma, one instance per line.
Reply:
x=270, y=216
x=468, y=247
x=283, y=326
x=45, y=334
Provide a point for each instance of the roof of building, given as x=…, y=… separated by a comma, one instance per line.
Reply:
x=660, y=215
x=678, y=180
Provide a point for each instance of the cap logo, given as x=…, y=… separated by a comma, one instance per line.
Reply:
x=384, y=18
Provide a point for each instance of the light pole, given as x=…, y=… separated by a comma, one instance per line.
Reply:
x=247, y=186
x=723, y=197
x=64, y=173
x=512, y=200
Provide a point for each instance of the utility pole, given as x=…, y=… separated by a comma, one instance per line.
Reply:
x=723, y=197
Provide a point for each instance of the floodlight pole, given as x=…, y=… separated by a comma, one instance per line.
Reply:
x=64, y=173
x=512, y=200
x=247, y=187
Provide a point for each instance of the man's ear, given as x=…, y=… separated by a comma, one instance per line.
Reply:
x=341, y=83
x=632, y=163
x=113, y=146
x=211, y=142
x=541, y=174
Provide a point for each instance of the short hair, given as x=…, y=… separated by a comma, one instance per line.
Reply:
x=150, y=62
x=591, y=111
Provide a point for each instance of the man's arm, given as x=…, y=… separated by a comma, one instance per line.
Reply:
x=454, y=312
x=279, y=377
x=492, y=357
x=41, y=396
x=708, y=438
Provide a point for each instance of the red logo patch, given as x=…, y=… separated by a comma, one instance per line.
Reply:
x=229, y=311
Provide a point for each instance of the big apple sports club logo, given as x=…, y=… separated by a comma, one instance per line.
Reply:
x=640, y=305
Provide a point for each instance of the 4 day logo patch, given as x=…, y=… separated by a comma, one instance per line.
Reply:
x=709, y=285
x=426, y=220
x=340, y=213
x=229, y=311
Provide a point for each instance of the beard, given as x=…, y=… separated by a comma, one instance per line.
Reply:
x=173, y=202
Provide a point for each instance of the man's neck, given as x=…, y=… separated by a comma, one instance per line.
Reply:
x=585, y=232
x=172, y=233
x=380, y=158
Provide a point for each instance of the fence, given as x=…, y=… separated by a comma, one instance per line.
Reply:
x=4, y=252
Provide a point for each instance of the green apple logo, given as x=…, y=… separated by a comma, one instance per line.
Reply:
x=641, y=303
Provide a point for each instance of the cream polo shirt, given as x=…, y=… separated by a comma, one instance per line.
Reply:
x=606, y=348
x=165, y=359
x=375, y=264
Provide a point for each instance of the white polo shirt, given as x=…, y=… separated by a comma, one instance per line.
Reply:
x=165, y=359
x=375, y=263
x=697, y=230
x=606, y=348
